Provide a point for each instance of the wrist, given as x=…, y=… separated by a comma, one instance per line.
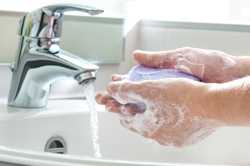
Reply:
x=215, y=105
x=204, y=102
x=229, y=102
x=210, y=104
x=241, y=68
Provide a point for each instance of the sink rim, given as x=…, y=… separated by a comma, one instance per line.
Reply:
x=48, y=159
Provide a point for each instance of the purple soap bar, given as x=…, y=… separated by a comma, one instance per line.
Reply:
x=139, y=73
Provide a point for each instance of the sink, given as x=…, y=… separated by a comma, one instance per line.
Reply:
x=31, y=129
x=25, y=133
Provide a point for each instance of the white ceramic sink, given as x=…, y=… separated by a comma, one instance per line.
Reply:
x=24, y=134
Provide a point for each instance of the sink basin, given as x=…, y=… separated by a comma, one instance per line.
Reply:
x=25, y=133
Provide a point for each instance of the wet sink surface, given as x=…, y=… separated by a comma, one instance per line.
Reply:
x=70, y=119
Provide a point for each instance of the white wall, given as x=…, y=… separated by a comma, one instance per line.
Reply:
x=157, y=36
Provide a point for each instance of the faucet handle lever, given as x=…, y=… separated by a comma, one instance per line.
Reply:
x=46, y=22
x=54, y=10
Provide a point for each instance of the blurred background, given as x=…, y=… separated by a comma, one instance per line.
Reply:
x=192, y=10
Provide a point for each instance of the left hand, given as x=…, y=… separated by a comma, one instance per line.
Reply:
x=209, y=65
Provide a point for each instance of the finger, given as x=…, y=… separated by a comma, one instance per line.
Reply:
x=132, y=109
x=162, y=59
x=186, y=66
x=118, y=77
x=127, y=109
x=102, y=98
x=113, y=106
x=128, y=92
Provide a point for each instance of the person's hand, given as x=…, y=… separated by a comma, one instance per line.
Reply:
x=171, y=111
x=208, y=65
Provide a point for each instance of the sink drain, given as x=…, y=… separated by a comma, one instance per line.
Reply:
x=56, y=144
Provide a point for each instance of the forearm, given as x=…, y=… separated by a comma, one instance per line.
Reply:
x=230, y=102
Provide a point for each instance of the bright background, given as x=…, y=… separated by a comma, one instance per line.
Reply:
x=216, y=11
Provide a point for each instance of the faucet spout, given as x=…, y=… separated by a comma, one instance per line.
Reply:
x=86, y=77
x=40, y=61
x=38, y=70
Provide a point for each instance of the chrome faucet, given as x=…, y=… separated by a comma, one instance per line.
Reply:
x=40, y=61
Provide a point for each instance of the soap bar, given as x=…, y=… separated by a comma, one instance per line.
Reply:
x=140, y=73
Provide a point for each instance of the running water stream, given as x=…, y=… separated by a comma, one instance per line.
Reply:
x=89, y=92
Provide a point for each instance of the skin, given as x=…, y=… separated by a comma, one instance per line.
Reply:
x=184, y=111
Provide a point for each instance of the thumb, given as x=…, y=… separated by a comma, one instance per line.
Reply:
x=186, y=66
x=127, y=92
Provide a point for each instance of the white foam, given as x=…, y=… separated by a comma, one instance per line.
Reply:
x=185, y=65
x=152, y=119
x=159, y=116
x=143, y=123
x=194, y=62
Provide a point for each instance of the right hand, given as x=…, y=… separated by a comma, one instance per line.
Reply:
x=209, y=65
x=169, y=116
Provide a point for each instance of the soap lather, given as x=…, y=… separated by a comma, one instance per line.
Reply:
x=140, y=73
